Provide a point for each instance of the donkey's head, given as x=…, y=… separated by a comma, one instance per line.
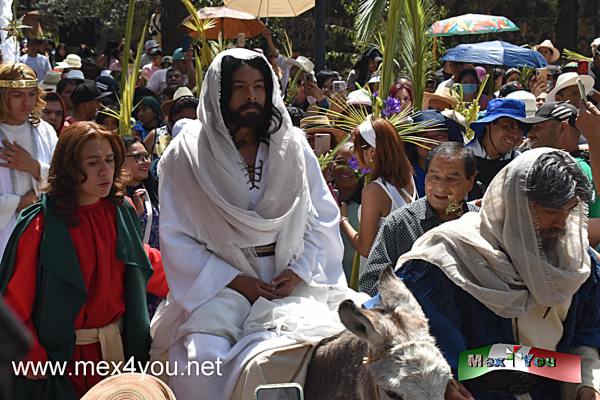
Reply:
x=404, y=360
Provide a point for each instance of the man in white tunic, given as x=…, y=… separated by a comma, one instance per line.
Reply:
x=27, y=144
x=249, y=232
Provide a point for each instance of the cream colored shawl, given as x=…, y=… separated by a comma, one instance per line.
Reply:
x=496, y=255
x=222, y=212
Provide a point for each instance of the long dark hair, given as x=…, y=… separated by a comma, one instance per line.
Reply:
x=362, y=66
x=273, y=120
x=65, y=174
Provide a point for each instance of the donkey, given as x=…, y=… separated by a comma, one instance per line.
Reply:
x=385, y=353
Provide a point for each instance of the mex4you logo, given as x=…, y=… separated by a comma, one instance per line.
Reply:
x=550, y=364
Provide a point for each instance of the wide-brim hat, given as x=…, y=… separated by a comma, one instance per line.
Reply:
x=302, y=63
x=179, y=93
x=71, y=61
x=529, y=100
x=442, y=94
x=50, y=81
x=549, y=45
x=321, y=124
x=456, y=124
x=498, y=108
x=130, y=386
x=359, y=97
x=75, y=74
x=569, y=79
x=436, y=120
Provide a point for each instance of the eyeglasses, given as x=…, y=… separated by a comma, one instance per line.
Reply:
x=140, y=158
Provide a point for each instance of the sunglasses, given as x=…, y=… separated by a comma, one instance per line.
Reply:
x=140, y=158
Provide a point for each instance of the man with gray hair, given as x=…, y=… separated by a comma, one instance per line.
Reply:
x=520, y=271
x=450, y=170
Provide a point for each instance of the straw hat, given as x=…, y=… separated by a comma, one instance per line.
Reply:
x=321, y=124
x=302, y=63
x=549, y=45
x=179, y=93
x=442, y=94
x=50, y=81
x=130, y=386
x=71, y=61
x=570, y=79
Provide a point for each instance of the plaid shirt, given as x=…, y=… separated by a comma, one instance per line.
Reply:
x=396, y=236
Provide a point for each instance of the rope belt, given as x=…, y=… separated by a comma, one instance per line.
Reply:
x=109, y=336
x=267, y=250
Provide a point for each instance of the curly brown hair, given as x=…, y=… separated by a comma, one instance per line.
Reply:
x=65, y=174
x=15, y=72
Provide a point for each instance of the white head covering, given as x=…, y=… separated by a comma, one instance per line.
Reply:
x=220, y=206
x=367, y=131
x=497, y=256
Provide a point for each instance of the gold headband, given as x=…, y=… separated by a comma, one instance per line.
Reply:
x=18, y=84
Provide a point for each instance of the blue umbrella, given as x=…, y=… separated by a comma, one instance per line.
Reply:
x=495, y=53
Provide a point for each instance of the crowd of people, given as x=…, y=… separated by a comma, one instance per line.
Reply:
x=227, y=216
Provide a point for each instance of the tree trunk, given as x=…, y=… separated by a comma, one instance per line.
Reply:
x=566, y=24
x=172, y=13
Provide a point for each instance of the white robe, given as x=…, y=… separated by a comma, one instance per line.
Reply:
x=10, y=192
x=203, y=320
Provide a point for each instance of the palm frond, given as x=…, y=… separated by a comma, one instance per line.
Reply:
x=415, y=47
x=525, y=76
x=204, y=52
x=369, y=15
x=392, y=35
x=326, y=159
x=574, y=56
x=129, y=81
x=126, y=49
x=288, y=50
x=469, y=110
x=351, y=116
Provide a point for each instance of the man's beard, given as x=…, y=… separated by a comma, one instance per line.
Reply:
x=251, y=120
x=549, y=247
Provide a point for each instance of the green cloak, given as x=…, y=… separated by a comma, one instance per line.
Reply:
x=60, y=293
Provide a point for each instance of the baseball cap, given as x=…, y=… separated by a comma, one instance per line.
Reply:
x=551, y=110
x=178, y=54
x=87, y=91
x=107, y=84
x=167, y=60
x=150, y=44
x=509, y=88
x=157, y=51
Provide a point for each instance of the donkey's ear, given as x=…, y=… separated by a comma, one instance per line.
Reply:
x=359, y=322
x=394, y=293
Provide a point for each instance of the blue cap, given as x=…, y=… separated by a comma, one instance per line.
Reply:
x=498, y=108
x=455, y=131
x=178, y=54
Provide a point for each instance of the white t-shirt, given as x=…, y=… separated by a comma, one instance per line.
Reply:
x=39, y=64
x=158, y=81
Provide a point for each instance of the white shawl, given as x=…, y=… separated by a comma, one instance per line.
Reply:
x=45, y=140
x=228, y=222
x=496, y=255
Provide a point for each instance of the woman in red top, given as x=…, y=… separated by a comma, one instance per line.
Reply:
x=100, y=261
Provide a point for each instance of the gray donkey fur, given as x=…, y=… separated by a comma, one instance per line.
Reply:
x=405, y=361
